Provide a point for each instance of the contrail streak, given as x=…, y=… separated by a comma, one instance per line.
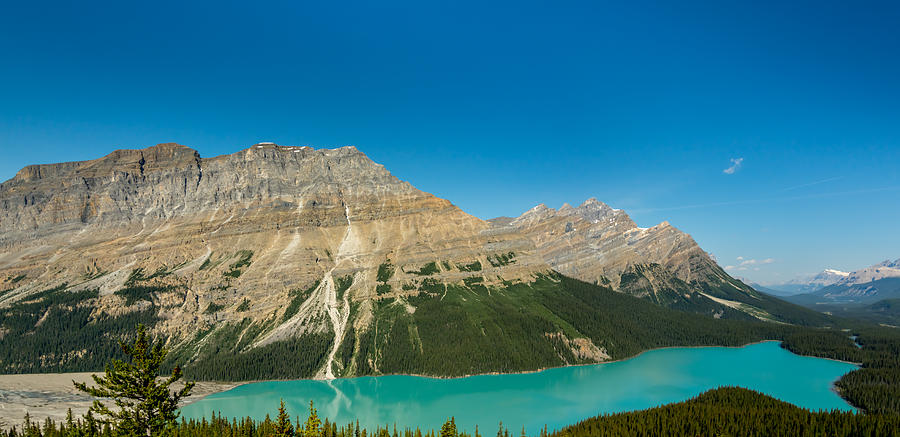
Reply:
x=812, y=183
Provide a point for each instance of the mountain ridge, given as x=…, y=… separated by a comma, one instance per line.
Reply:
x=322, y=254
x=863, y=286
x=596, y=243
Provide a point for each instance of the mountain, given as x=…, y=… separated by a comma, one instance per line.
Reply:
x=811, y=283
x=882, y=270
x=852, y=294
x=293, y=262
x=241, y=238
x=602, y=245
x=865, y=286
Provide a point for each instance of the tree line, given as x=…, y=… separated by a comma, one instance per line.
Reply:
x=734, y=411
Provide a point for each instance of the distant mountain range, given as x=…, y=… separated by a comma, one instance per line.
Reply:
x=809, y=284
x=868, y=285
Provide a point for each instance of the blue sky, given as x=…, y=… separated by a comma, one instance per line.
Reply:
x=501, y=106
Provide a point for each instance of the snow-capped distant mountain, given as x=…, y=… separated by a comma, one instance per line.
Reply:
x=810, y=283
x=880, y=281
x=882, y=270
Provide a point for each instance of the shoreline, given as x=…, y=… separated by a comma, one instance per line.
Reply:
x=50, y=395
x=542, y=369
x=469, y=375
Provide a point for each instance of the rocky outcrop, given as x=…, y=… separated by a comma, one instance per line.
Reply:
x=599, y=244
x=596, y=243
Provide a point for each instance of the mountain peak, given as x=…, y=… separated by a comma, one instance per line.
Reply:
x=601, y=243
x=836, y=272
x=593, y=204
x=537, y=213
x=888, y=263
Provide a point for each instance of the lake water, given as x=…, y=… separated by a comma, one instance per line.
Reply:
x=556, y=397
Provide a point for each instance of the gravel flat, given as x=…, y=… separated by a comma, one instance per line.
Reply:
x=51, y=395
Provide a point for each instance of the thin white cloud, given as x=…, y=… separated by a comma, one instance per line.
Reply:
x=753, y=262
x=735, y=165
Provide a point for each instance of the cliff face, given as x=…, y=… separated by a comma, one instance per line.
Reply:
x=596, y=243
x=236, y=236
x=291, y=206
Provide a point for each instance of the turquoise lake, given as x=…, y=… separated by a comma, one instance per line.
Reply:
x=556, y=397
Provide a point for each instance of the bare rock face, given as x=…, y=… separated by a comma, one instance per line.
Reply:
x=596, y=243
x=238, y=236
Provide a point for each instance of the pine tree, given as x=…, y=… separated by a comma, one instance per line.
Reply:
x=70, y=422
x=312, y=427
x=90, y=424
x=144, y=405
x=449, y=428
x=283, y=427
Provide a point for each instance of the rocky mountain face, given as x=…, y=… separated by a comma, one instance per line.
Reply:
x=882, y=270
x=598, y=244
x=321, y=256
x=234, y=237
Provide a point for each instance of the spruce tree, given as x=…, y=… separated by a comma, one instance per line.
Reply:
x=449, y=428
x=283, y=427
x=70, y=421
x=313, y=426
x=144, y=406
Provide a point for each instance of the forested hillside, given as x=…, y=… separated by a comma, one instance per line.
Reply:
x=444, y=330
x=734, y=411
x=450, y=330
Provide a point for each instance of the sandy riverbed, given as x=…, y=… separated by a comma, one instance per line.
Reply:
x=51, y=395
